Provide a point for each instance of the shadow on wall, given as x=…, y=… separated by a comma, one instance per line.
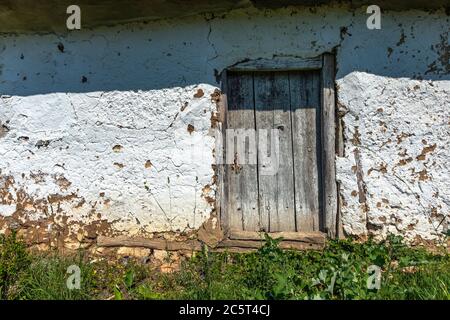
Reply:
x=177, y=53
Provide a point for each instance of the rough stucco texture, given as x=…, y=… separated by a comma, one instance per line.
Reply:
x=89, y=116
x=394, y=176
x=137, y=159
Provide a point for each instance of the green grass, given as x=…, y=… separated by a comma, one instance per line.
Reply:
x=340, y=271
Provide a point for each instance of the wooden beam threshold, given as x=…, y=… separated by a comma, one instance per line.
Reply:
x=290, y=240
x=158, y=244
x=307, y=237
x=238, y=241
x=256, y=244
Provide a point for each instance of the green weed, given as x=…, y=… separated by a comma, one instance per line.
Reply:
x=14, y=260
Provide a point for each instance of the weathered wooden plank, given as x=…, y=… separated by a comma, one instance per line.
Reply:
x=193, y=245
x=329, y=145
x=276, y=186
x=305, y=105
x=220, y=151
x=279, y=64
x=234, y=250
x=292, y=245
x=159, y=244
x=242, y=193
x=310, y=237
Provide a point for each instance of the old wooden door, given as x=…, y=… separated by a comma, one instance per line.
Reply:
x=285, y=108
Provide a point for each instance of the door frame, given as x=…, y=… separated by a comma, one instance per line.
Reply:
x=326, y=64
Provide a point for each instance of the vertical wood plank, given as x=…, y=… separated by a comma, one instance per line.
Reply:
x=305, y=106
x=276, y=190
x=221, y=199
x=242, y=201
x=329, y=144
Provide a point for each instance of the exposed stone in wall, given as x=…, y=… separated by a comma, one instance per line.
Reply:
x=394, y=176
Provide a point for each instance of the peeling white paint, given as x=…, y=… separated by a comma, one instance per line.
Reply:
x=128, y=155
x=400, y=128
x=7, y=209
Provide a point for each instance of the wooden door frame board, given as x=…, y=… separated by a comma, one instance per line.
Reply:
x=328, y=137
x=326, y=64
